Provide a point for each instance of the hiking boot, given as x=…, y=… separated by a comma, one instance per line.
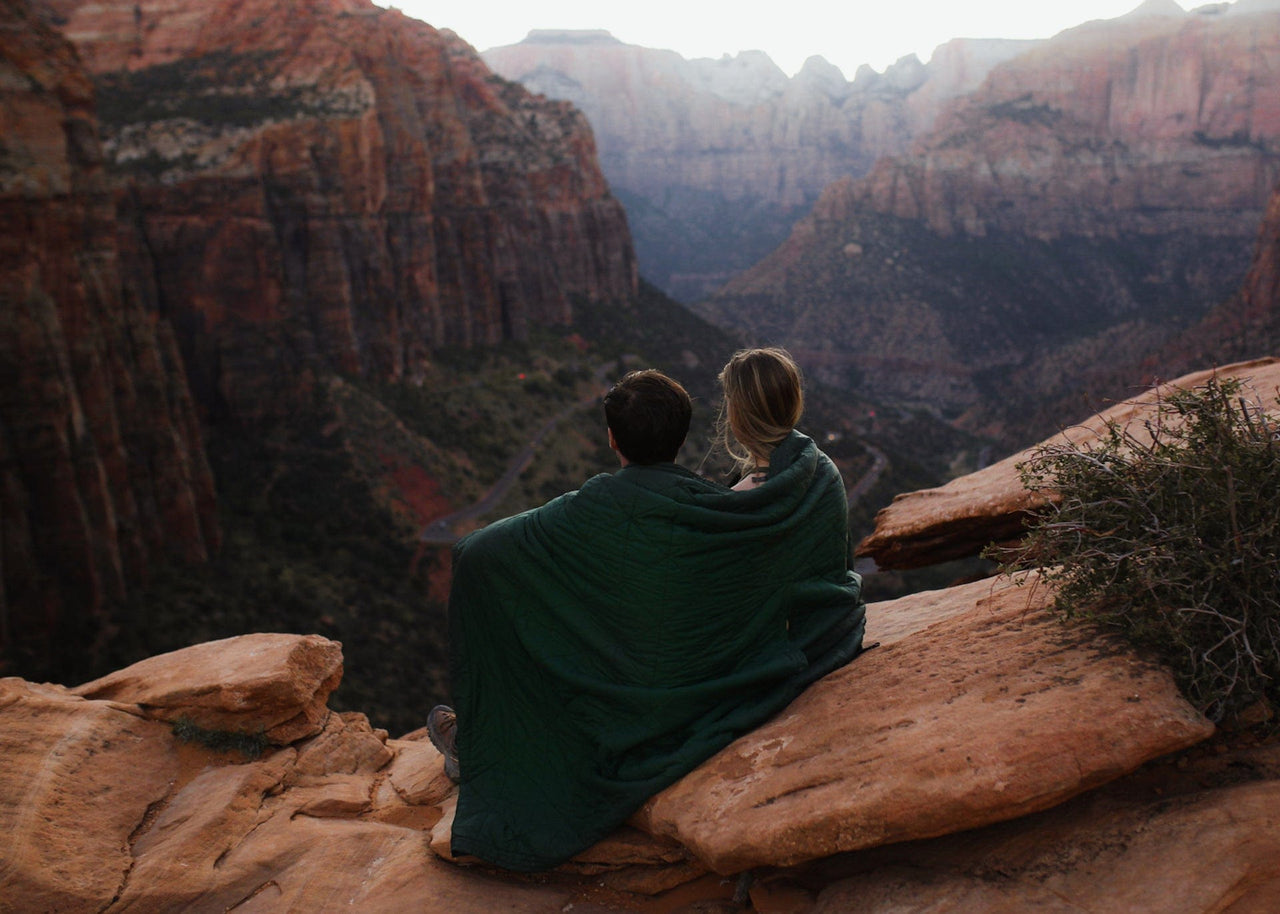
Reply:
x=442, y=730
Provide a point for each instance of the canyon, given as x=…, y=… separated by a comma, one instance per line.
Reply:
x=211, y=212
x=716, y=158
x=1095, y=196
x=276, y=276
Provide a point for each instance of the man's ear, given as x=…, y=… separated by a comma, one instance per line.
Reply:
x=613, y=442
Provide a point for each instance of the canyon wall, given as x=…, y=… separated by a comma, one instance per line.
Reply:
x=102, y=465
x=1093, y=198
x=327, y=184
x=716, y=158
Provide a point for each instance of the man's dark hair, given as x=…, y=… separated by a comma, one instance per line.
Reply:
x=648, y=414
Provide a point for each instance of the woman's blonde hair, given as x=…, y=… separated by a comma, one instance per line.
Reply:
x=763, y=401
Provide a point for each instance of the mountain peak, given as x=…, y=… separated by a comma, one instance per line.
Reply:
x=1152, y=9
x=570, y=36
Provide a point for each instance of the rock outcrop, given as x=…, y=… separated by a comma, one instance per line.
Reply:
x=102, y=465
x=991, y=505
x=1093, y=197
x=327, y=185
x=716, y=157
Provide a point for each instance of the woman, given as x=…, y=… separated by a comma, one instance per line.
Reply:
x=763, y=401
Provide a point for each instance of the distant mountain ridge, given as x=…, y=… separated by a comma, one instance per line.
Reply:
x=716, y=158
x=1092, y=197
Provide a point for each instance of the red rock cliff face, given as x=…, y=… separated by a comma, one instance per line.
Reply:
x=1092, y=198
x=717, y=157
x=325, y=183
x=102, y=468
x=1154, y=122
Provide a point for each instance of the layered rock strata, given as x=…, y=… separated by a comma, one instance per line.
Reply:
x=102, y=467
x=327, y=184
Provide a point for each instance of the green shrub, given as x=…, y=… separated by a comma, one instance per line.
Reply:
x=1175, y=540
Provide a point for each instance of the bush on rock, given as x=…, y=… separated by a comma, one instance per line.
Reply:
x=1171, y=533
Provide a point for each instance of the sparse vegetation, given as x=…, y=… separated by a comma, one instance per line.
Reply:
x=249, y=745
x=220, y=89
x=1171, y=534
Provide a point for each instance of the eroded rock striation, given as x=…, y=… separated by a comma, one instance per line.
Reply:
x=328, y=185
x=102, y=465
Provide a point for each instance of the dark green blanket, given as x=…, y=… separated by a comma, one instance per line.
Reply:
x=605, y=644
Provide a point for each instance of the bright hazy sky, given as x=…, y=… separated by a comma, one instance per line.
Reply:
x=846, y=32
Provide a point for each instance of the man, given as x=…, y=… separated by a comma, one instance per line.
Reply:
x=606, y=643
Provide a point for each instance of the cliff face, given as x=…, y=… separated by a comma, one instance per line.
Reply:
x=102, y=467
x=326, y=183
x=1149, y=123
x=1092, y=198
x=715, y=157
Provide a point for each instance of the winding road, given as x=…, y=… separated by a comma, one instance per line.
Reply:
x=440, y=532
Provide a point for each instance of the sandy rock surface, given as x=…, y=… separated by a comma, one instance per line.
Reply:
x=262, y=683
x=1193, y=833
x=77, y=777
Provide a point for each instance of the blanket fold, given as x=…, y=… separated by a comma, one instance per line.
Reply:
x=605, y=644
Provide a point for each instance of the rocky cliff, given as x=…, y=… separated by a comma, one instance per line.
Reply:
x=714, y=158
x=102, y=465
x=1091, y=198
x=986, y=756
x=324, y=184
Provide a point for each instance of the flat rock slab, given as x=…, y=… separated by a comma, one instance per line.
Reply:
x=76, y=780
x=996, y=711
x=1142, y=845
x=962, y=517
x=273, y=684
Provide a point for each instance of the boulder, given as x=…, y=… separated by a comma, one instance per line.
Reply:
x=272, y=684
x=960, y=518
x=996, y=711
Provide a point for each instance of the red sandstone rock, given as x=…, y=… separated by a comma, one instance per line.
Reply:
x=272, y=684
x=328, y=184
x=76, y=781
x=962, y=517
x=995, y=712
x=1097, y=129
x=103, y=468
x=1155, y=843
x=1053, y=222
x=103, y=811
